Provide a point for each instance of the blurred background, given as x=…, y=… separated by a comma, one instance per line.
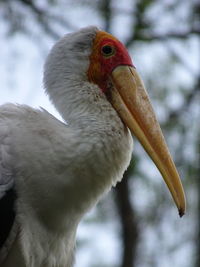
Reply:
x=137, y=224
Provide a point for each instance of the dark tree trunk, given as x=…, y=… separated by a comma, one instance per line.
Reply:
x=129, y=225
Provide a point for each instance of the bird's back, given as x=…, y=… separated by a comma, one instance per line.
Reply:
x=28, y=142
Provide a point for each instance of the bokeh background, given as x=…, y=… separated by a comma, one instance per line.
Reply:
x=136, y=224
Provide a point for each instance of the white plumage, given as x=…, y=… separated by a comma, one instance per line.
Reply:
x=54, y=172
x=61, y=170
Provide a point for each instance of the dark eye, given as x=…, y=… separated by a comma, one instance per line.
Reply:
x=108, y=50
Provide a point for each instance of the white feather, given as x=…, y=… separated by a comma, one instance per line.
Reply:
x=61, y=170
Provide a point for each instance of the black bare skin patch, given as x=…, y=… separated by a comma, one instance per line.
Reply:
x=7, y=215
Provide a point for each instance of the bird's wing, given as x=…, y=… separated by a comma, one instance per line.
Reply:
x=7, y=192
x=6, y=177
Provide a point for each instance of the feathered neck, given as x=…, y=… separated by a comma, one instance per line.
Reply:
x=100, y=134
x=97, y=150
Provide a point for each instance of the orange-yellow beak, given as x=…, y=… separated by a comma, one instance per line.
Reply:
x=131, y=101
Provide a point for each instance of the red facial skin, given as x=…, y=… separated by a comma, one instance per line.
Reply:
x=121, y=56
x=101, y=66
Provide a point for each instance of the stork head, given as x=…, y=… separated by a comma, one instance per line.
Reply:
x=96, y=57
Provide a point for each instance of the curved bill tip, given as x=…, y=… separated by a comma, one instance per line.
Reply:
x=181, y=212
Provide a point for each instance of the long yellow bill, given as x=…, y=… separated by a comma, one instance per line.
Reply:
x=131, y=101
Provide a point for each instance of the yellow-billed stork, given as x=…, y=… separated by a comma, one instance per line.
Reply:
x=52, y=172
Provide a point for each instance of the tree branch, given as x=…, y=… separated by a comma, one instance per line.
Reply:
x=169, y=35
x=162, y=37
x=43, y=17
x=188, y=100
x=106, y=12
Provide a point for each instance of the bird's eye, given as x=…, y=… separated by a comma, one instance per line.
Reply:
x=108, y=50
